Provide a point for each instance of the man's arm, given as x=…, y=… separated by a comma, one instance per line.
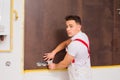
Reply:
x=60, y=47
x=63, y=64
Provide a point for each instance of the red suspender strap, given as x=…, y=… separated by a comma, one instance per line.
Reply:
x=84, y=44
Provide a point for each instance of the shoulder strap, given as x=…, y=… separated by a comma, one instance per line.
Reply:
x=80, y=40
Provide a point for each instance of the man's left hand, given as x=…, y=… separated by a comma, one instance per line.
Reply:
x=52, y=66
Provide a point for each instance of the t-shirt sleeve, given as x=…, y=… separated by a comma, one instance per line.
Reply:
x=73, y=48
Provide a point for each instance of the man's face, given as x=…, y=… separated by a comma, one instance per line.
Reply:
x=72, y=28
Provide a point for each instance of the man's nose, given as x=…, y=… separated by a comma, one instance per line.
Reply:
x=67, y=28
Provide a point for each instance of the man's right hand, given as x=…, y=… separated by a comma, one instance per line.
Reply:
x=48, y=56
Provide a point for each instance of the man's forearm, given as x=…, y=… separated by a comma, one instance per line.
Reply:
x=61, y=65
x=65, y=62
x=61, y=46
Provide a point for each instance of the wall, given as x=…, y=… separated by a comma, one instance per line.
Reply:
x=106, y=73
x=98, y=73
x=16, y=72
x=14, y=58
x=45, y=26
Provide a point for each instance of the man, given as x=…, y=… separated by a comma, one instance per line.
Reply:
x=77, y=57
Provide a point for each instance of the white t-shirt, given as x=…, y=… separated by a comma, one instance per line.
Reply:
x=79, y=50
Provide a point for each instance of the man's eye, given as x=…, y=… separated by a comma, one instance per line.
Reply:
x=71, y=26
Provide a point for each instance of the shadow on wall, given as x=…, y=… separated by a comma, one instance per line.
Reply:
x=61, y=35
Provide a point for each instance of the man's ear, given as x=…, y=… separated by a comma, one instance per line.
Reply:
x=79, y=26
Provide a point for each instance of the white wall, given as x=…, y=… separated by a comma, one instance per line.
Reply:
x=46, y=75
x=15, y=57
x=106, y=73
x=98, y=73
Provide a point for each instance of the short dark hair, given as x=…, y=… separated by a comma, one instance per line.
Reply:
x=73, y=17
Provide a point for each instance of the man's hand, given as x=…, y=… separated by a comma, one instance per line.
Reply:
x=52, y=66
x=48, y=56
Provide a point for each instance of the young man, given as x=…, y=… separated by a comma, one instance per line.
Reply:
x=77, y=57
